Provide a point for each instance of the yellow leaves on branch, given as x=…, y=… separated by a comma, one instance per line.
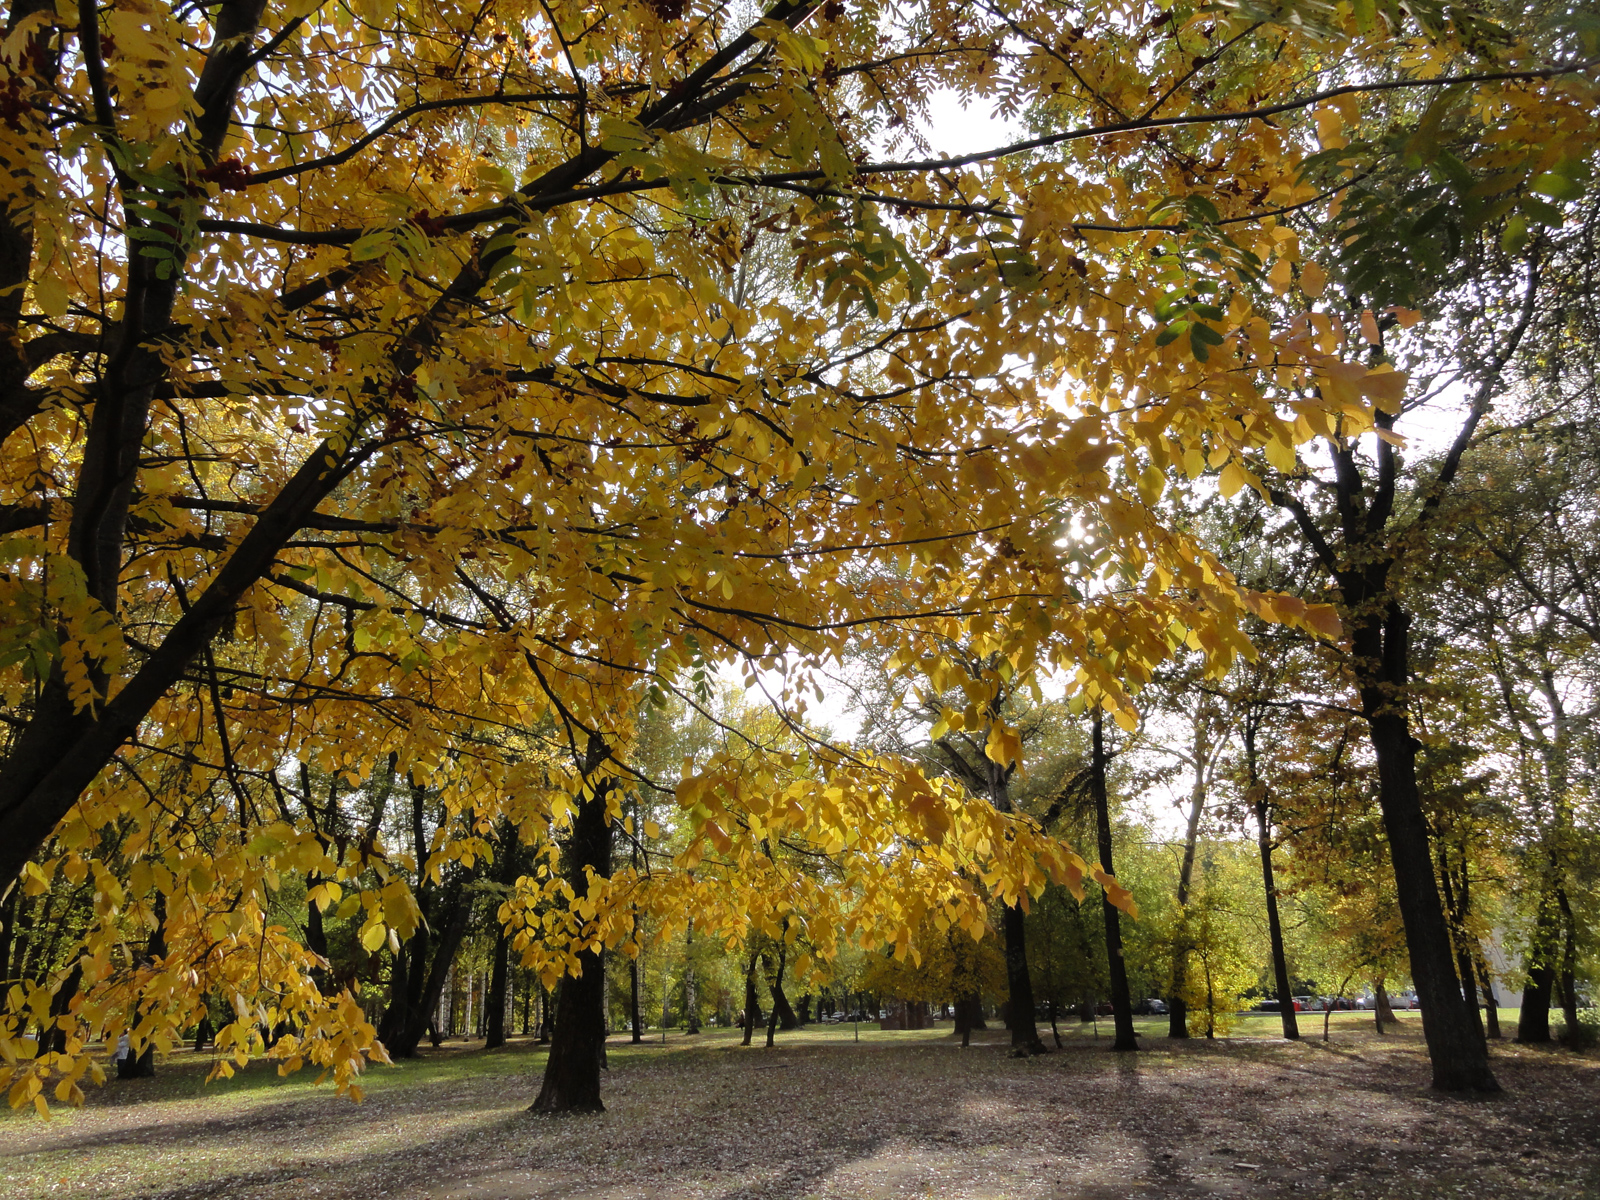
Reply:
x=618, y=383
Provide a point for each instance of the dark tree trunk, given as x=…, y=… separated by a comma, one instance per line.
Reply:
x=495, y=1026
x=8, y=931
x=1020, y=1008
x=1455, y=911
x=633, y=1001
x=752, y=1005
x=1491, y=1007
x=572, y=1072
x=1382, y=1010
x=1533, y=1020
x=53, y=1038
x=144, y=1066
x=1178, y=1004
x=1573, y=1034
x=1456, y=1046
x=782, y=1010
x=546, y=1016
x=1280, y=962
x=780, y=1003
x=412, y=1009
x=1117, y=969
x=1025, y=1037
x=510, y=866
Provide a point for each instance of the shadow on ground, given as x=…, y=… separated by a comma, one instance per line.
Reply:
x=821, y=1116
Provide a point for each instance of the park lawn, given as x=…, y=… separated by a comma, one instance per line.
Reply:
x=897, y=1114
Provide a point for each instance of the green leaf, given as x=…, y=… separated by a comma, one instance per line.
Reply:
x=1557, y=187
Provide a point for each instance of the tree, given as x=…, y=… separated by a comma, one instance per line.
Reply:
x=407, y=404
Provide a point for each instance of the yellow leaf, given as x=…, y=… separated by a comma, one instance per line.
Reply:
x=1004, y=745
x=1313, y=279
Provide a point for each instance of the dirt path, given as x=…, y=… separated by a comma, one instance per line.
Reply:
x=899, y=1115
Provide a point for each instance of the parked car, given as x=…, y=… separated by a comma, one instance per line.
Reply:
x=1151, y=1006
x=1308, y=1004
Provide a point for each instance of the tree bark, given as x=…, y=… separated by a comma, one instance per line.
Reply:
x=633, y=1001
x=572, y=1072
x=1382, y=1010
x=691, y=1002
x=495, y=1026
x=752, y=1005
x=1177, y=1006
x=1117, y=969
x=1491, y=1007
x=1456, y=1047
x=1280, y=961
x=1020, y=1011
x=1020, y=1007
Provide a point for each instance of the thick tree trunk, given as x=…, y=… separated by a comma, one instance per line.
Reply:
x=1456, y=1046
x=409, y=1013
x=572, y=1072
x=1020, y=1011
x=1117, y=969
x=1569, y=964
x=494, y=1033
x=775, y=983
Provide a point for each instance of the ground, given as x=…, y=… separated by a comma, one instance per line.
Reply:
x=897, y=1115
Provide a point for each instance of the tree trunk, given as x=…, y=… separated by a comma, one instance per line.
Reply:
x=633, y=1001
x=782, y=1009
x=495, y=1026
x=1117, y=969
x=1020, y=1010
x=408, y=1016
x=1455, y=913
x=1382, y=1010
x=1491, y=1006
x=1177, y=1005
x=1280, y=962
x=780, y=1003
x=752, y=1006
x=1459, y=1054
x=691, y=1002
x=572, y=1072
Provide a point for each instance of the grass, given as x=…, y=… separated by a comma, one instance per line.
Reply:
x=899, y=1114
